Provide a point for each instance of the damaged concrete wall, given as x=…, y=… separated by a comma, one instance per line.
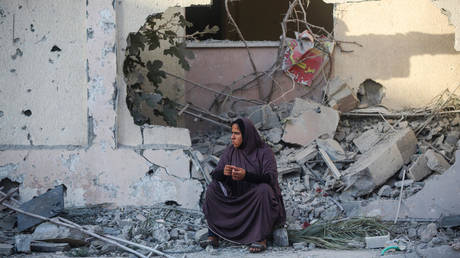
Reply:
x=28, y=45
x=407, y=46
x=101, y=170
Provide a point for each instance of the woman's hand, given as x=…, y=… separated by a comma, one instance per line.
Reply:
x=228, y=170
x=238, y=173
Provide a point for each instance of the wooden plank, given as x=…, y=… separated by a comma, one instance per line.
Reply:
x=330, y=164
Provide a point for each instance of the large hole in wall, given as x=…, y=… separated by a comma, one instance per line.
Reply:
x=257, y=19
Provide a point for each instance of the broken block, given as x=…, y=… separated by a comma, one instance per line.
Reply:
x=53, y=233
x=377, y=241
x=47, y=205
x=332, y=148
x=289, y=170
x=22, y=243
x=341, y=97
x=308, y=121
x=306, y=154
x=380, y=163
x=419, y=169
x=436, y=162
x=367, y=140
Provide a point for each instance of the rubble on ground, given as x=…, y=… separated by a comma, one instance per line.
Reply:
x=331, y=166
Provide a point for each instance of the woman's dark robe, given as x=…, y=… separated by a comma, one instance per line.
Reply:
x=245, y=211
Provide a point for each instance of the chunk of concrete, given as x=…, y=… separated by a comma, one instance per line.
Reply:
x=47, y=205
x=308, y=121
x=370, y=93
x=306, y=154
x=280, y=237
x=53, y=233
x=264, y=116
x=340, y=96
x=274, y=135
x=6, y=249
x=438, y=197
x=427, y=233
x=332, y=148
x=45, y=247
x=376, y=241
x=419, y=169
x=367, y=140
x=282, y=171
x=22, y=243
x=436, y=162
x=377, y=165
x=201, y=235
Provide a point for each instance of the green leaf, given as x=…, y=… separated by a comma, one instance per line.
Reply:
x=155, y=74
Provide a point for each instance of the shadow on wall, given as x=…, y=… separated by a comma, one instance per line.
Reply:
x=388, y=56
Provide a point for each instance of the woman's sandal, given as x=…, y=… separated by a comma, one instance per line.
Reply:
x=213, y=241
x=257, y=247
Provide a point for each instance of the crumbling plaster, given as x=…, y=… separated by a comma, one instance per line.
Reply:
x=97, y=169
x=407, y=46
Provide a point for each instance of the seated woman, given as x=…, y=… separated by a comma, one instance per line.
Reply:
x=243, y=202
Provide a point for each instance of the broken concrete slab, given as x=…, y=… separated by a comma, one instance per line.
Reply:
x=53, y=233
x=47, y=205
x=6, y=249
x=294, y=169
x=176, y=162
x=306, y=154
x=308, y=121
x=340, y=96
x=274, y=135
x=377, y=165
x=332, y=148
x=438, y=197
x=22, y=243
x=45, y=247
x=419, y=169
x=263, y=116
x=436, y=162
x=367, y=140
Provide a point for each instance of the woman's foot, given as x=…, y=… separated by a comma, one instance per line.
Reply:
x=212, y=240
x=258, y=247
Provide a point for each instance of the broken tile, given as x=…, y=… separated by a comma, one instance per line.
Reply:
x=47, y=205
x=436, y=162
x=367, y=140
x=308, y=121
x=377, y=165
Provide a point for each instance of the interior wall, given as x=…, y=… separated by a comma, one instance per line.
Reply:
x=407, y=46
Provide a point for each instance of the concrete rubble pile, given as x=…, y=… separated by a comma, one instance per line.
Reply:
x=330, y=167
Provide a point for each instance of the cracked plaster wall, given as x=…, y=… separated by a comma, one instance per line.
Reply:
x=89, y=161
x=407, y=47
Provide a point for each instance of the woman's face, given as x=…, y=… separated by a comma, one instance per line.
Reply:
x=237, y=137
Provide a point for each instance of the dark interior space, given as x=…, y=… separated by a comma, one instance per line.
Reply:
x=257, y=19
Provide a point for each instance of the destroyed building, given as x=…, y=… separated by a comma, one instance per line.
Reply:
x=373, y=132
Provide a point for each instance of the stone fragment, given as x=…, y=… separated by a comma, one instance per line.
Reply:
x=376, y=241
x=45, y=247
x=280, y=237
x=367, y=140
x=264, y=116
x=53, y=233
x=412, y=233
x=201, y=235
x=452, y=137
x=385, y=191
x=22, y=243
x=332, y=148
x=377, y=165
x=47, y=205
x=370, y=93
x=218, y=149
x=419, y=169
x=450, y=221
x=308, y=121
x=282, y=171
x=436, y=162
x=299, y=246
x=6, y=249
x=456, y=121
x=174, y=233
x=160, y=233
x=274, y=135
x=341, y=97
x=427, y=233
x=306, y=154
